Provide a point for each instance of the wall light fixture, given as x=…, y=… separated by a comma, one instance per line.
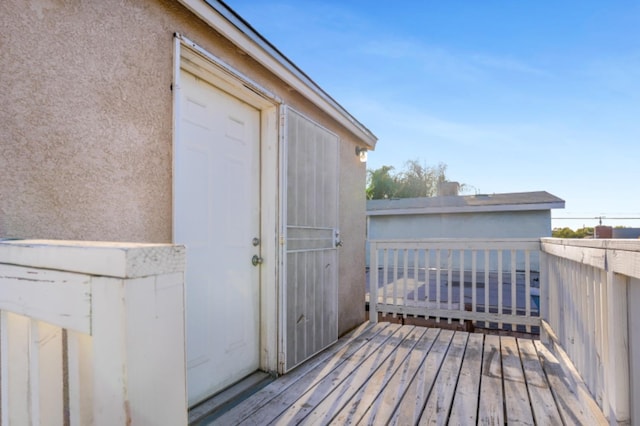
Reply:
x=362, y=153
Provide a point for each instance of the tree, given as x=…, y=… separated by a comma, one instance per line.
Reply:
x=420, y=181
x=415, y=180
x=380, y=183
x=570, y=233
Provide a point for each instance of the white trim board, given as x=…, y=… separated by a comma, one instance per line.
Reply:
x=466, y=209
x=190, y=57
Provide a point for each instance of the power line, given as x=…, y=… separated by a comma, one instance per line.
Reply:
x=597, y=217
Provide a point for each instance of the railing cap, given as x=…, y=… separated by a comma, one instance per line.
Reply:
x=608, y=243
x=112, y=259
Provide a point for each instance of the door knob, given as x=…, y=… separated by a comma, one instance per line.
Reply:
x=256, y=260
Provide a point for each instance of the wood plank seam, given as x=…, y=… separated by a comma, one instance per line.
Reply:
x=351, y=386
x=443, y=398
x=417, y=394
x=470, y=373
x=355, y=358
x=316, y=395
x=350, y=342
x=363, y=398
x=384, y=406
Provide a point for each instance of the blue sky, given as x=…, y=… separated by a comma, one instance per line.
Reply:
x=512, y=95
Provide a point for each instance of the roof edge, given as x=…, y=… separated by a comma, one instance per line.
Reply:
x=227, y=22
x=468, y=209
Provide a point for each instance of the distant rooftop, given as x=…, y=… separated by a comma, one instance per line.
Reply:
x=516, y=201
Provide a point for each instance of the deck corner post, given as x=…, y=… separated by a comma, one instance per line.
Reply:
x=138, y=341
x=617, y=406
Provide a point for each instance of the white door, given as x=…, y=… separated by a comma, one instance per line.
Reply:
x=311, y=290
x=217, y=217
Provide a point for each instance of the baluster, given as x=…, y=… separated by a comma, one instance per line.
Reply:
x=438, y=279
x=373, y=282
x=79, y=377
x=486, y=284
x=48, y=384
x=17, y=378
x=395, y=281
x=474, y=280
x=4, y=368
x=449, y=284
x=514, y=289
x=405, y=272
x=416, y=277
x=385, y=281
x=461, y=286
x=500, y=287
x=527, y=287
x=427, y=281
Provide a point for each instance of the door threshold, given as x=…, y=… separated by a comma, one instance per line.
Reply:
x=209, y=410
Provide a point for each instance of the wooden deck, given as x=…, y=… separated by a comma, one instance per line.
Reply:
x=402, y=374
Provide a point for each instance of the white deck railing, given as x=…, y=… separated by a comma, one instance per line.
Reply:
x=493, y=282
x=591, y=294
x=91, y=333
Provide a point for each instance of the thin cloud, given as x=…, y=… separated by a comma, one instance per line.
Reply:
x=412, y=123
x=418, y=58
x=448, y=62
x=507, y=64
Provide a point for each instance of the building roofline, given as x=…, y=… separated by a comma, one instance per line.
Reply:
x=505, y=202
x=467, y=209
x=227, y=22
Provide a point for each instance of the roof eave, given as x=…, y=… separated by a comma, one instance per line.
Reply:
x=468, y=209
x=221, y=18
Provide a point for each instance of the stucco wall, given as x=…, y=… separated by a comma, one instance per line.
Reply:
x=86, y=113
x=351, y=294
x=86, y=110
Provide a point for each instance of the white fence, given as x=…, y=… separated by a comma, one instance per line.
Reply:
x=588, y=292
x=485, y=281
x=91, y=333
x=591, y=294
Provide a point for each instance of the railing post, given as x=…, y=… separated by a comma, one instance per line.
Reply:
x=634, y=348
x=617, y=356
x=373, y=282
x=92, y=333
x=543, y=298
x=138, y=347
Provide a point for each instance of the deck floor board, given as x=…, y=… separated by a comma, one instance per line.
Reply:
x=465, y=403
x=403, y=374
x=383, y=407
x=543, y=405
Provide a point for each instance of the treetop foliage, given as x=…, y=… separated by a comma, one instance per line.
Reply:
x=570, y=233
x=414, y=180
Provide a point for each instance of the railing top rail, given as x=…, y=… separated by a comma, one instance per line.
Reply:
x=459, y=243
x=119, y=260
x=455, y=239
x=618, y=256
x=612, y=244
